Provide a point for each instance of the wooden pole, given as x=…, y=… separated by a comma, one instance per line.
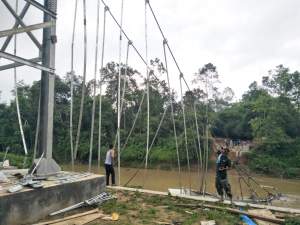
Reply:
x=236, y=211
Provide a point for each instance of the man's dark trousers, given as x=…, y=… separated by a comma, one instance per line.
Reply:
x=110, y=170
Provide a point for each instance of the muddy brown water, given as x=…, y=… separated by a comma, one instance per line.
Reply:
x=161, y=180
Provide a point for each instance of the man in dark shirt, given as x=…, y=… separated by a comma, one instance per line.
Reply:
x=223, y=164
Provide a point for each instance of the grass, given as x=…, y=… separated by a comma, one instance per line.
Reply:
x=20, y=161
x=138, y=208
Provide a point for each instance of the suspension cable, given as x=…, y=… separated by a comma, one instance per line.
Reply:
x=164, y=37
x=72, y=85
x=83, y=80
x=148, y=92
x=16, y=92
x=172, y=114
x=127, y=37
x=185, y=134
x=180, y=71
x=95, y=83
x=100, y=86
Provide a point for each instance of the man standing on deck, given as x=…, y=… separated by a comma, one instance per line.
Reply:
x=109, y=166
x=223, y=164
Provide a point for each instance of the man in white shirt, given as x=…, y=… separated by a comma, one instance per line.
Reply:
x=109, y=167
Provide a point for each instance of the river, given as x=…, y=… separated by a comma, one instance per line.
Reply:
x=161, y=180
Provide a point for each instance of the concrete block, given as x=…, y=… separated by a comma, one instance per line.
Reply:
x=30, y=206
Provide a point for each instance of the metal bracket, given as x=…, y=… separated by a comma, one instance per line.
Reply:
x=53, y=39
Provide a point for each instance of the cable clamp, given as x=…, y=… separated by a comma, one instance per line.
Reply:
x=106, y=8
x=165, y=41
x=53, y=39
x=147, y=1
x=181, y=75
x=129, y=42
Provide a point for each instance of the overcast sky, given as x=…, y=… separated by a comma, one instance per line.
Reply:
x=244, y=39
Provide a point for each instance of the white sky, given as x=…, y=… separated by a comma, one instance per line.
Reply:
x=244, y=39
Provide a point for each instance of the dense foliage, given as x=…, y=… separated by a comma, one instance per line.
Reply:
x=268, y=115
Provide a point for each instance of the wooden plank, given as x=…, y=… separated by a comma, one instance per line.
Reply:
x=69, y=217
x=81, y=220
x=263, y=212
x=138, y=190
x=236, y=203
x=252, y=215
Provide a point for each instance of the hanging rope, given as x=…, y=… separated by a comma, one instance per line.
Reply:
x=148, y=80
x=185, y=134
x=83, y=80
x=206, y=141
x=16, y=92
x=72, y=73
x=119, y=94
x=153, y=140
x=172, y=115
x=199, y=146
x=100, y=86
x=37, y=127
x=135, y=119
x=95, y=83
x=125, y=77
x=124, y=87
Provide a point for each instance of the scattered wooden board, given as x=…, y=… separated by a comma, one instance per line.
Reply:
x=177, y=193
x=81, y=220
x=138, y=190
x=209, y=222
x=69, y=217
x=263, y=212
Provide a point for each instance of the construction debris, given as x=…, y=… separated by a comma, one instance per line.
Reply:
x=82, y=218
x=15, y=188
x=90, y=202
x=3, y=178
x=69, y=217
x=209, y=222
x=113, y=217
